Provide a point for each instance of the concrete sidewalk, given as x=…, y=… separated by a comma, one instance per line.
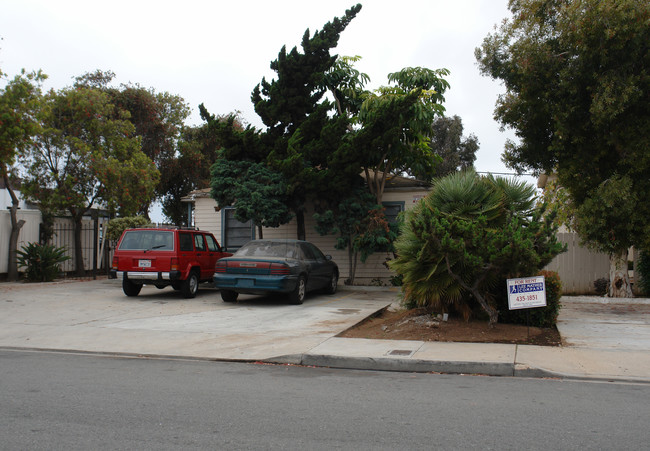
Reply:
x=605, y=339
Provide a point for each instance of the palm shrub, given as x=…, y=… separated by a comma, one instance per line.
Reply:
x=467, y=237
x=41, y=261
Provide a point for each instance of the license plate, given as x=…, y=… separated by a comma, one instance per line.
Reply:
x=144, y=263
x=246, y=283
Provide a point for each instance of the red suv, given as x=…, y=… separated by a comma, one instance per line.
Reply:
x=164, y=256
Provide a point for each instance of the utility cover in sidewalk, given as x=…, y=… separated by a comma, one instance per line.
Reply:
x=401, y=352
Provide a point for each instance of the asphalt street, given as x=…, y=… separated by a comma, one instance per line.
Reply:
x=63, y=401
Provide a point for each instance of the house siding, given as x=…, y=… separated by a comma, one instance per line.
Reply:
x=372, y=271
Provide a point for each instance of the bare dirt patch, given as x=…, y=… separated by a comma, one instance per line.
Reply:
x=419, y=325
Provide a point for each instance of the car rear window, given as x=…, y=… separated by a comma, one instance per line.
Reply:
x=147, y=240
x=268, y=249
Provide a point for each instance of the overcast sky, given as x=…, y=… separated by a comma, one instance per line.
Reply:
x=215, y=52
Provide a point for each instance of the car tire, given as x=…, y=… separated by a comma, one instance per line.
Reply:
x=297, y=296
x=159, y=286
x=177, y=285
x=229, y=295
x=333, y=284
x=190, y=285
x=131, y=289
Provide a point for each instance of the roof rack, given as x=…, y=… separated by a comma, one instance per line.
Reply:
x=168, y=226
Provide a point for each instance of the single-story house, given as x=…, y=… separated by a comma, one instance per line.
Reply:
x=400, y=194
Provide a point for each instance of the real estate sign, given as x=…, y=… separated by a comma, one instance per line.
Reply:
x=527, y=292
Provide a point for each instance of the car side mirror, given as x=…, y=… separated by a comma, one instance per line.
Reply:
x=328, y=257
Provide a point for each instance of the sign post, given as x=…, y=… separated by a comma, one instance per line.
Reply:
x=526, y=293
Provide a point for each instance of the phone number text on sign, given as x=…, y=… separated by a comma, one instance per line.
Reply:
x=527, y=292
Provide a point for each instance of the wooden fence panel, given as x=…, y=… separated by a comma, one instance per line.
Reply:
x=578, y=267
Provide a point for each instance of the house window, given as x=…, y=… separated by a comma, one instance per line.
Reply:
x=234, y=233
x=392, y=210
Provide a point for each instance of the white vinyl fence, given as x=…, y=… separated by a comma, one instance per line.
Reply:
x=578, y=267
x=95, y=252
x=28, y=233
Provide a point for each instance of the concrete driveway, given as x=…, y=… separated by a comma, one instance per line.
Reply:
x=95, y=316
x=605, y=323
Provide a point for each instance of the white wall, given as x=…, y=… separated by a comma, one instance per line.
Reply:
x=28, y=233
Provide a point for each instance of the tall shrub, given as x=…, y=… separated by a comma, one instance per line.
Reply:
x=116, y=226
x=469, y=235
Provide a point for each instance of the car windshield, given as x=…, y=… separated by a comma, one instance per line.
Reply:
x=143, y=240
x=268, y=249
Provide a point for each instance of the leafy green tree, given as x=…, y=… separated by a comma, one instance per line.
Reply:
x=577, y=83
x=347, y=86
x=457, y=152
x=19, y=104
x=189, y=170
x=607, y=222
x=467, y=237
x=85, y=157
x=396, y=126
x=349, y=220
x=158, y=118
x=240, y=176
x=301, y=134
x=257, y=193
x=198, y=149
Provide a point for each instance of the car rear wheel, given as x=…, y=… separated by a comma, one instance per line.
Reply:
x=229, y=296
x=130, y=288
x=190, y=286
x=333, y=284
x=297, y=296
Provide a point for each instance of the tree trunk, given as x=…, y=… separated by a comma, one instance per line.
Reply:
x=352, y=263
x=16, y=225
x=300, y=222
x=260, y=234
x=493, y=313
x=638, y=277
x=619, y=282
x=78, y=250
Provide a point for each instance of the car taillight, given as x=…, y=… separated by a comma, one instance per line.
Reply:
x=221, y=267
x=279, y=269
x=115, y=262
x=173, y=264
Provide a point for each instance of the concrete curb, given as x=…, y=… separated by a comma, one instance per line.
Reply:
x=369, y=364
x=404, y=365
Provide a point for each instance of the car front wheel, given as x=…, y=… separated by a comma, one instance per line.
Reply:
x=297, y=296
x=190, y=286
